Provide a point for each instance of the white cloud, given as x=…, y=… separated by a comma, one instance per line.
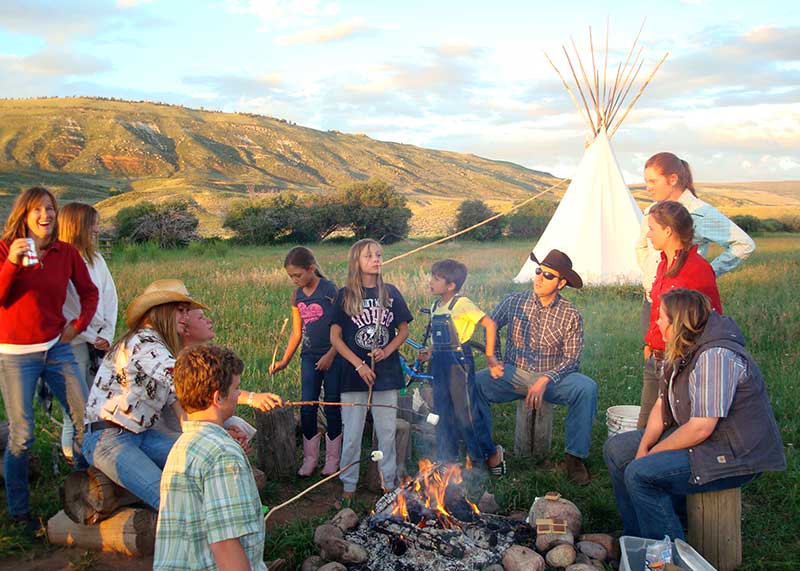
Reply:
x=131, y=3
x=283, y=14
x=326, y=34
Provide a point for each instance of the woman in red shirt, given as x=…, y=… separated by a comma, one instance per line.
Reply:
x=34, y=335
x=671, y=232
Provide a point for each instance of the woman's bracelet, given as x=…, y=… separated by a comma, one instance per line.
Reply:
x=361, y=365
x=250, y=399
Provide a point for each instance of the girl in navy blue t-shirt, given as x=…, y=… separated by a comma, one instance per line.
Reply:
x=370, y=322
x=312, y=307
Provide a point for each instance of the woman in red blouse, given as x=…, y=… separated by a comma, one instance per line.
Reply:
x=671, y=232
x=34, y=334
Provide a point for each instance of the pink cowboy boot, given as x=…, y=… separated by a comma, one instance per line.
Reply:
x=310, y=456
x=333, y=451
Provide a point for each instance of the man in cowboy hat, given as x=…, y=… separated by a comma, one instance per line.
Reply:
x=544, y=340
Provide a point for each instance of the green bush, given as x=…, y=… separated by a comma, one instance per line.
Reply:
x=530, y=221
x=470, y=212
x=370, y=210
x=169, y=225
x=212, y=248
x=746, y=222
x=373, y=209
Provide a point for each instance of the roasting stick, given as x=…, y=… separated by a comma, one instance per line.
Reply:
x=375, y=455
x=278, y=340
x=430, y=418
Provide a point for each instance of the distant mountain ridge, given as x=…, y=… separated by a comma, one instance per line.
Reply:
x=122, y=142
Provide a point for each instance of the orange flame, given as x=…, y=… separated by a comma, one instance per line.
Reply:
x=431, y=486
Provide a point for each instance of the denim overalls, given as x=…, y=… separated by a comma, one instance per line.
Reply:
x=453, y=372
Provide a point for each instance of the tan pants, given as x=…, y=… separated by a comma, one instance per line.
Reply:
x=650, y=380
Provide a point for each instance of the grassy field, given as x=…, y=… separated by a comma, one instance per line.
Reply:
x=248, y=292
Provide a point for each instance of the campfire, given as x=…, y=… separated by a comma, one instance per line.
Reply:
x=430, y=521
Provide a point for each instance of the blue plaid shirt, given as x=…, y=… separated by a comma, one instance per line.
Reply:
x=544, y=339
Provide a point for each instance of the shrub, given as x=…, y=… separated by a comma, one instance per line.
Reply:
x=169, y=225
x=530, y=221
x=470, y=212
x=791, y=222
x=773, y=225
x=373, y=209
x=211, y=247
x=747, y=223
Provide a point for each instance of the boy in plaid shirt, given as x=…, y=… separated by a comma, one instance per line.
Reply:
x=210, y=515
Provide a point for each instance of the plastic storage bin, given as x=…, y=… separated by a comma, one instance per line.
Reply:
x=632, y=551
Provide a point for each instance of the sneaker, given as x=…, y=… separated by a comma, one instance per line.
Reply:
x=577, y=472
x=27, y=524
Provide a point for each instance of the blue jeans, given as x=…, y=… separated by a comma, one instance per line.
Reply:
x=311, y=383
x=648, y=490
x=18, y=377
x=453, y=394
x=578, y=392
x=132, y=460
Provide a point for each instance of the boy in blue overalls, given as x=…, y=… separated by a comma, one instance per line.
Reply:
x=453, y=320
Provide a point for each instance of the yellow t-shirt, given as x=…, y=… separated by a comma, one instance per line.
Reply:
x=465, y=316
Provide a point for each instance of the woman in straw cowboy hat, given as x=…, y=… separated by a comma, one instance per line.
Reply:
x=132, y=386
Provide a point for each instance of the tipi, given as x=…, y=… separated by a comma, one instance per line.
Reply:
x=597, y=221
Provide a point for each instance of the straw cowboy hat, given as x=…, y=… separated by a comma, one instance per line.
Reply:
x=158, y=293
x=560, y=262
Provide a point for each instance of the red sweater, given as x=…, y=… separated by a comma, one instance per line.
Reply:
x=32, y=299
x=695, y=274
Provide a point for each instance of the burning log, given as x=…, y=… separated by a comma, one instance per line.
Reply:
x=446, y=542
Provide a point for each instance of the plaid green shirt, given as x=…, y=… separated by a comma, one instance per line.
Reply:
x=208, y=495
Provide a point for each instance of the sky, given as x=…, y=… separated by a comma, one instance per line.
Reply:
x=464, y=75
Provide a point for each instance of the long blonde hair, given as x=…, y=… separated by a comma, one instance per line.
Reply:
x=161, y=319
x=75, y=223
x=687, y=311
x=17, y=221
x=354, y=289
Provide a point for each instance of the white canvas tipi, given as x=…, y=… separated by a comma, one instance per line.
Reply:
x=597, y=221
x=596, y=224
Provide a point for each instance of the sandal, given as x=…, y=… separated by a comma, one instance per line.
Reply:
x=501, y=469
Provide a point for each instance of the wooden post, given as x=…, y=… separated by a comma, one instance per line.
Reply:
x=130, y=531
x=534, y=430
x=90, y=496
x=276, y=444
x=715, y=527
x=403, y=448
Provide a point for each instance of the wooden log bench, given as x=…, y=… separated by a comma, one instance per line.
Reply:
x=276, y=444
x=715, y=527
x=89, y=497
x=534, y=429
x=129, y=531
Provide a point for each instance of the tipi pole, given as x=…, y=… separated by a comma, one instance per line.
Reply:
x=594, y=73
x=583, y=71
x=625, y=93
x=605, y=72
x=638, y=95
x=626, y=85
x=578, y=83
x=572, y=95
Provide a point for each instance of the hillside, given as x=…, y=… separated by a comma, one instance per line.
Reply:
x=117, y=153
x=90, y=148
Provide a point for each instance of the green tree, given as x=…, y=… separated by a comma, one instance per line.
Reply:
x=530, y=221
x=470, y=212
x=373, y=209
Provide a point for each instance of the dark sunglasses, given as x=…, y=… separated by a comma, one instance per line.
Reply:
x=547, y=275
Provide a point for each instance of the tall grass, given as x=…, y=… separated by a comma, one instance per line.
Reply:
x=248, y=293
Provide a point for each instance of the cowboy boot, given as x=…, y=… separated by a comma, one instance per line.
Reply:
x=577, y=471
x=333, y=451
x=310, y=456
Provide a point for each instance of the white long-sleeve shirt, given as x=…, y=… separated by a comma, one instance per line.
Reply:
x=104, y=321
x=710, y=226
